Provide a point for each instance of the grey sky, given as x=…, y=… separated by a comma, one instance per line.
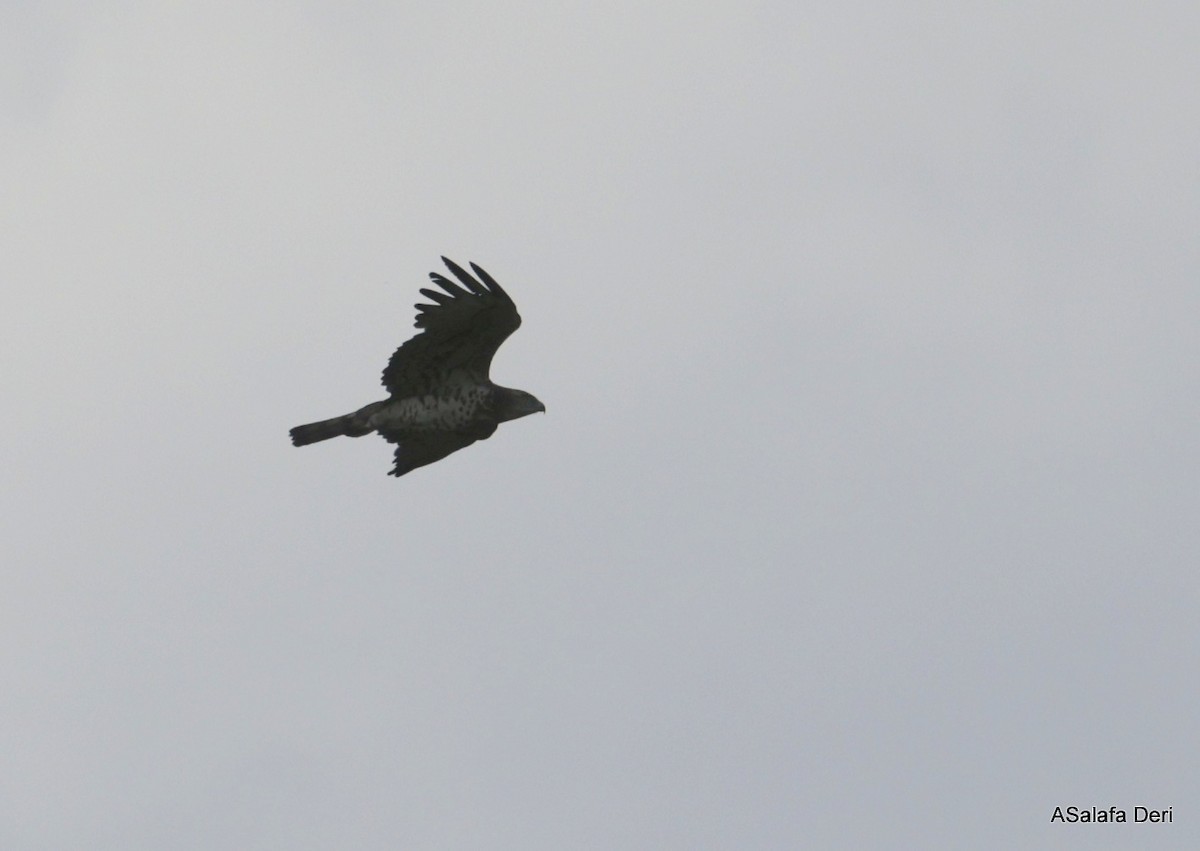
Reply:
x=863, y=514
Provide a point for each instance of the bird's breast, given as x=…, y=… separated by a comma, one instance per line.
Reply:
x=443, y=412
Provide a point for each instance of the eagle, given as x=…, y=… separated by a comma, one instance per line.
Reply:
x=441, y=398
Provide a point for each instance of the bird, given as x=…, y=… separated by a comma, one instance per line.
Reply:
x=441, y=398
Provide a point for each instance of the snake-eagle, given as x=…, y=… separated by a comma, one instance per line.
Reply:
x=441, y=398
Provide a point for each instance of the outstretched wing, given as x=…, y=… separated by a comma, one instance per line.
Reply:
x=461, y=331
x=413, y=451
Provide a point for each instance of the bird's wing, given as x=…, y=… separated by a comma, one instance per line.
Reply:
x=413, y=452
x=461, y=331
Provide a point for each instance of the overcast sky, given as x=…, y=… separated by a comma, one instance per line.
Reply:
x=863, y=513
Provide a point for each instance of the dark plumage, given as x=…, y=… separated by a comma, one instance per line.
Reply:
x=442, y=399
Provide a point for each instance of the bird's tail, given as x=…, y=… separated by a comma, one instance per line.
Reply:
x=350, y=425
x=302, y=435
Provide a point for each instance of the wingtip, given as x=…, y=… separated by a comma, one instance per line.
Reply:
x=464, y=278
x=488, y=281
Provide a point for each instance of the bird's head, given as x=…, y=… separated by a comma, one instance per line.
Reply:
x=513, y=404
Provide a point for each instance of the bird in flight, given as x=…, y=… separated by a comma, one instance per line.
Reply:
x=441, y=398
